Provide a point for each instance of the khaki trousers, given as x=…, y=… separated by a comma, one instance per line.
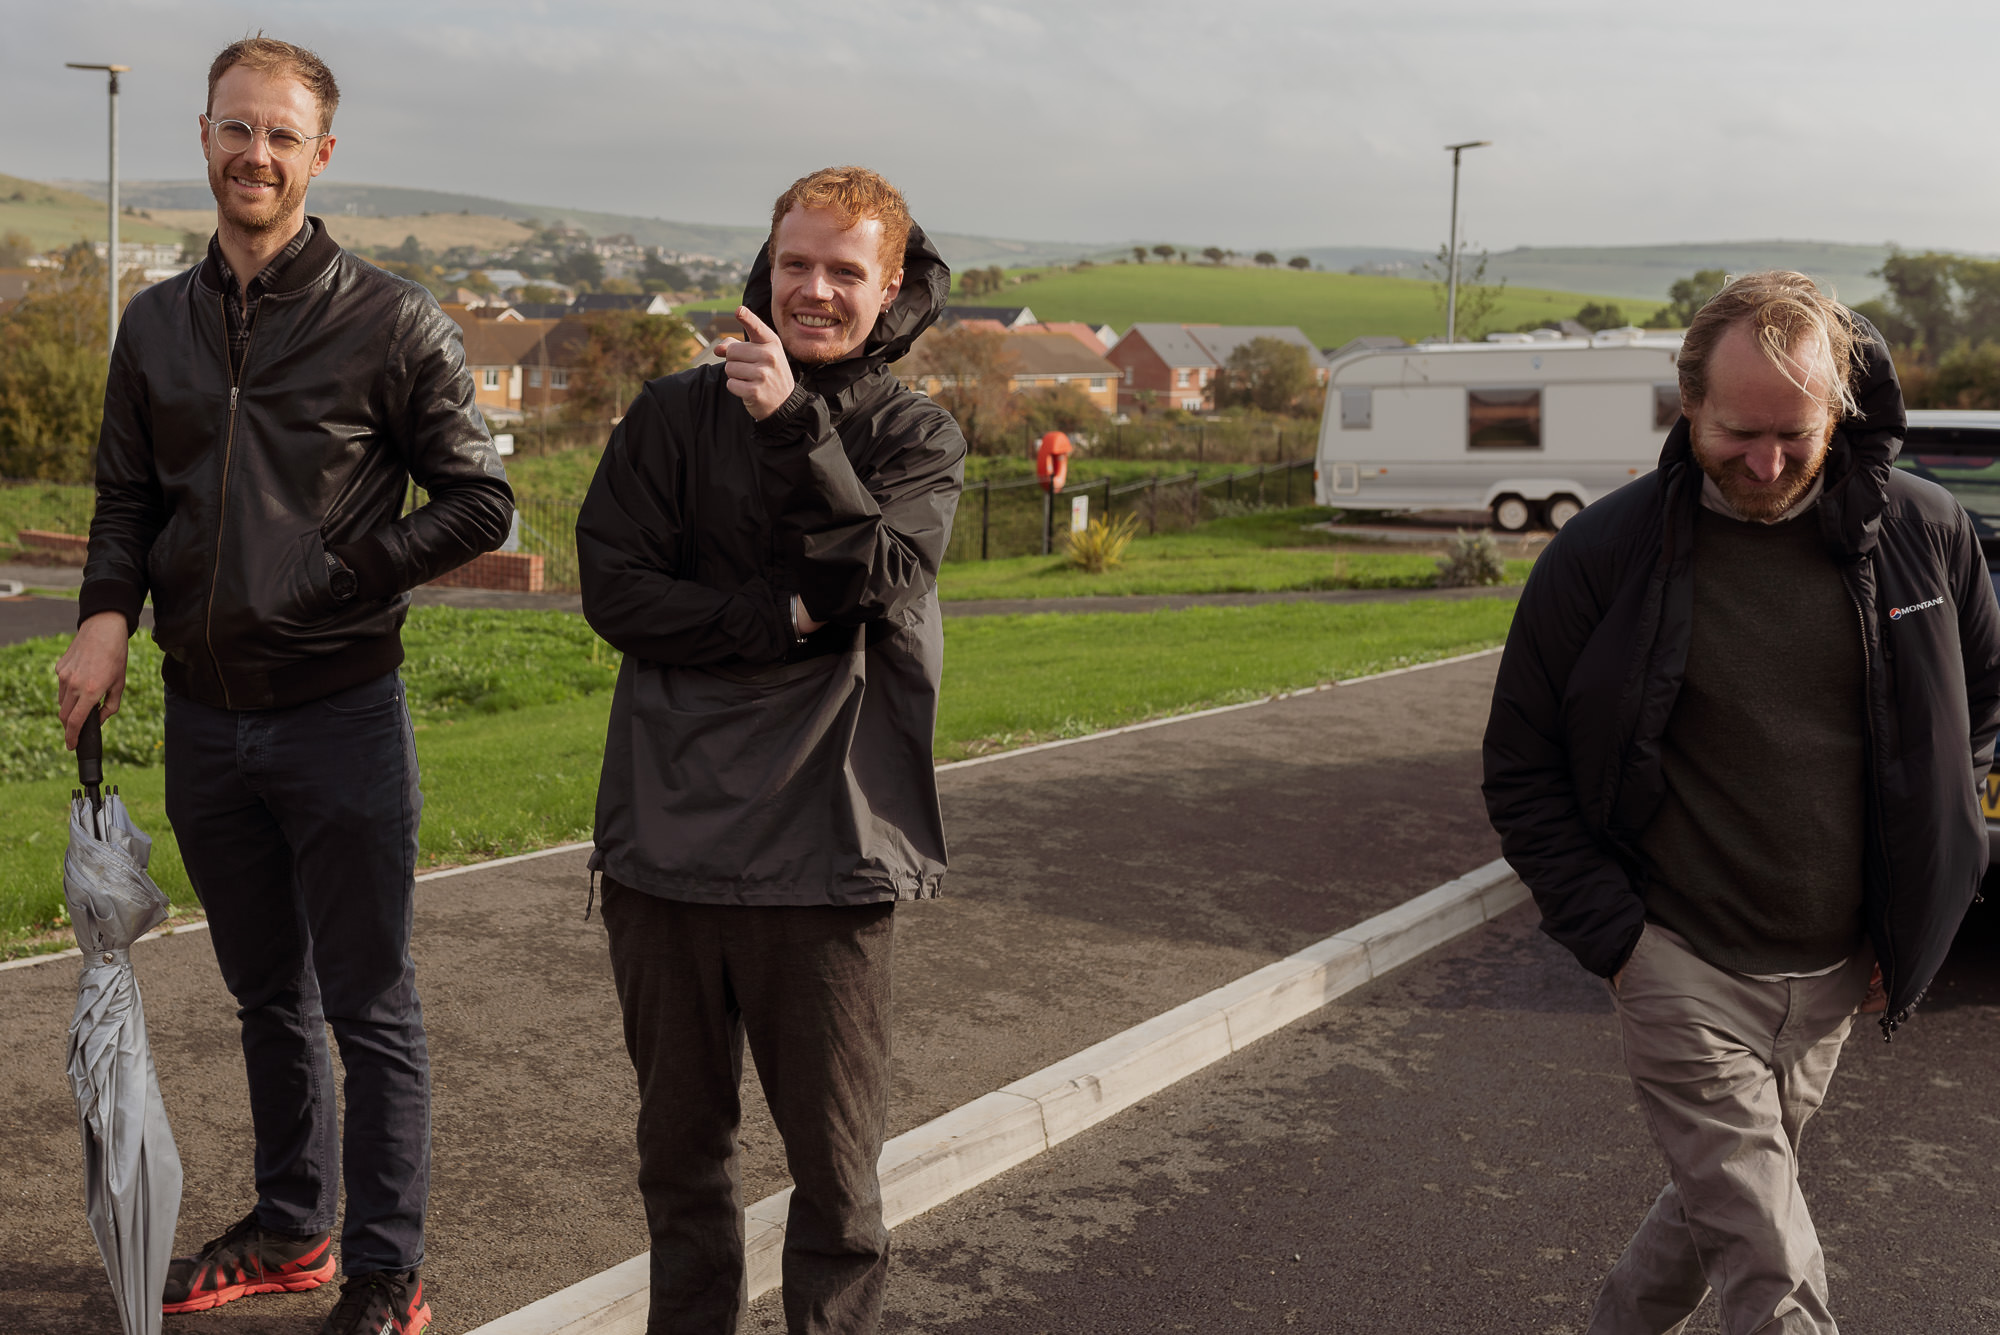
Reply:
x=1728, y=1070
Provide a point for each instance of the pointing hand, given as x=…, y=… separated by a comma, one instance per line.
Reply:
x=758, y=371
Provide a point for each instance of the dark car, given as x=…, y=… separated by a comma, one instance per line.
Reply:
x=1960, y=451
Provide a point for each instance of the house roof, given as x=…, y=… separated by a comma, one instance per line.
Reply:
x=1076, y=329
x=1173, y=343
x=1055, y=354
x=502, y=342
x=542, y=310
x=1010, y=317
x=1223, y=339
x=981, y=326
x=620, y=301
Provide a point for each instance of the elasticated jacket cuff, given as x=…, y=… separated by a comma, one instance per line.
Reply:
x=374, y=571
x=779, y=425
x=111, y=595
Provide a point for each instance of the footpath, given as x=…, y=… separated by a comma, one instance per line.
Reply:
x=1093, y=887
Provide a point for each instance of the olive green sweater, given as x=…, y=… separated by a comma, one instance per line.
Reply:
x=1755, y=855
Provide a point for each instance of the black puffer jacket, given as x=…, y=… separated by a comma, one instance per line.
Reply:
x=1594, y=663
x=742, y=768
x=221, y=498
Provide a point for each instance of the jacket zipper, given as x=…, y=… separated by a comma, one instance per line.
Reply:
x=222, y=502
x=1875, y=795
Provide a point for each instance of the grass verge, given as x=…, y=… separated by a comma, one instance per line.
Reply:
x=498, y=783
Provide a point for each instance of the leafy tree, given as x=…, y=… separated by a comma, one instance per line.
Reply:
x=580, y=269
x=657, y=275
x=52, y=369
x=1139, y=254
x=1593, y=316
x=975, y=372
x=15, y=248
x=418, y=273
x=1888, y=321
x=410, y=252
x=1299, y=262
x=1686, y=298
x=1164, y=251
x=1214, y=254
x=1477, y=298
x=1063, y=407
x=982, y=282
x=624, y=350
x=537, y=294
x=477, y=281
x=1266, y=259
x=194, y=245
x=1269, y=374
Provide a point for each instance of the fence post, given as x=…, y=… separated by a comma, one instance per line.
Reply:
x=985, y=515
x=1229, y=486
x=1153, y=510
x=1288, y=486
x=1048, y=521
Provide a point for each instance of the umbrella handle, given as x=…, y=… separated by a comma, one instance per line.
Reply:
x=90, y=756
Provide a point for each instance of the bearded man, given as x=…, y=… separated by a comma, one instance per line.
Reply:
x=266, y=413
x=762, y=541
x=1734, y=751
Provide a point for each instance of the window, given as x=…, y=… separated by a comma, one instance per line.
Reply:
x=1181, y=378
x=1357, y=409
x=1504, y=419
x=1128, y=375
x=1097, y=382
x=1666, y=406
x=534, y=377
x=559, y=378
x=492, y=377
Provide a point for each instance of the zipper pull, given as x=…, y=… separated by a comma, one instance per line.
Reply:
x=232, y=398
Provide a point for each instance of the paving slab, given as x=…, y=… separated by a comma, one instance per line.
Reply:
x=1455, y=1147
x=1093, y=887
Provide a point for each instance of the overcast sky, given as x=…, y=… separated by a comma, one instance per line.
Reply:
x=1245, y=124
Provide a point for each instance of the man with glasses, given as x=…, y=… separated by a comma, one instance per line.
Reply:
x=265, y=415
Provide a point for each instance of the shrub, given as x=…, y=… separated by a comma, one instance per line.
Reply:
x=1473, y=559
x=1101, y=547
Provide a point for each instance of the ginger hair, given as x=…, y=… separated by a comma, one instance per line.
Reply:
x=852, y=193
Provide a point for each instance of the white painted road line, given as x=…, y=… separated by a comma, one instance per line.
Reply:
x=927, y=1166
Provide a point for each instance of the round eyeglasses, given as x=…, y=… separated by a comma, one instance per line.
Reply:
x=237, y=136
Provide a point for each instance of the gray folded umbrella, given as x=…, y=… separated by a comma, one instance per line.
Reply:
x=132, y=1172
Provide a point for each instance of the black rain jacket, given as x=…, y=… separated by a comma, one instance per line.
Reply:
x=741, y=767
x=1594, y=662
x=220, y=495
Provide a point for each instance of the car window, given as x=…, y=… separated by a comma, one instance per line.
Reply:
x=1964, y=462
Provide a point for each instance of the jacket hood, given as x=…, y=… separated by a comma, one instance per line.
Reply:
x=926, y=287
x=1864, y=449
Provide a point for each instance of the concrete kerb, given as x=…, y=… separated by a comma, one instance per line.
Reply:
x=927, y=1166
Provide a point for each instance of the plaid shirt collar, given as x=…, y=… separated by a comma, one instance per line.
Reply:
x=241, y=302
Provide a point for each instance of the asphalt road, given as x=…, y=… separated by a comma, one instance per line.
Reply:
x=1455, y=1148
x=1093, y=886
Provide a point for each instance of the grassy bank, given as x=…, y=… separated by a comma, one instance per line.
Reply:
x=505, y=773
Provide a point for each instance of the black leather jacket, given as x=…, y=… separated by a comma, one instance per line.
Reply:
x=221, y=495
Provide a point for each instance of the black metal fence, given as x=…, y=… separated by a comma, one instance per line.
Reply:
x=1202, y=440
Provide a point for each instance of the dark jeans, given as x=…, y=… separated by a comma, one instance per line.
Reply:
x=299, y=830
x=810, y=988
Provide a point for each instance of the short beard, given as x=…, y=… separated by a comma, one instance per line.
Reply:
x=1762, y=501
x=284, y=202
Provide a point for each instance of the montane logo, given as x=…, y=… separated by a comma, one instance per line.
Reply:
x=1898, y=613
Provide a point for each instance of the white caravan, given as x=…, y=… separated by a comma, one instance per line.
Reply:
x=1529, y=426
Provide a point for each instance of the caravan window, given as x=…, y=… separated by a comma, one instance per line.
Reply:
x=1357, y=409
x=1504, y=419
x=1666, y=406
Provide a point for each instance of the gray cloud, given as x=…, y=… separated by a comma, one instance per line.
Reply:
x=1246, y=125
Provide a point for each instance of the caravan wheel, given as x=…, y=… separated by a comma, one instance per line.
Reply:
x=1512, y=514
x=1560, y=510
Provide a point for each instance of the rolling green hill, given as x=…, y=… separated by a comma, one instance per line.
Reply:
x=53, y=217
x=1330, y=307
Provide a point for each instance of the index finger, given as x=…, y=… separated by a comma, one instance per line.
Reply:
x=758, y=331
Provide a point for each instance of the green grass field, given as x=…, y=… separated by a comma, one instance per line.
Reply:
x=525, y=775
x=1330, y=307
x=53, y=217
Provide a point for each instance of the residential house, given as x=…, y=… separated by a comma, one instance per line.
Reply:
x=708, y=326
x=1011, y=318
x=521, y=367
x=1037, y=361
x=1176, y=364
x=590, y=303
x=542, y=310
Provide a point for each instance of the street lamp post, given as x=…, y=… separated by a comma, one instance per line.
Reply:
x=1451, y=283
x=111, y=194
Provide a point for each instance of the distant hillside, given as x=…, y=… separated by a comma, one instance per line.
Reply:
x=724, y=242
x=51, y=216
x=1645, y=272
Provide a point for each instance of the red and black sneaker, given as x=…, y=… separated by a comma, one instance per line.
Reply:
x=381, y=1302
x=249, y=1258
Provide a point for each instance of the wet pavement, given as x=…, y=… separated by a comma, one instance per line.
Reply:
x=1093, y=886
